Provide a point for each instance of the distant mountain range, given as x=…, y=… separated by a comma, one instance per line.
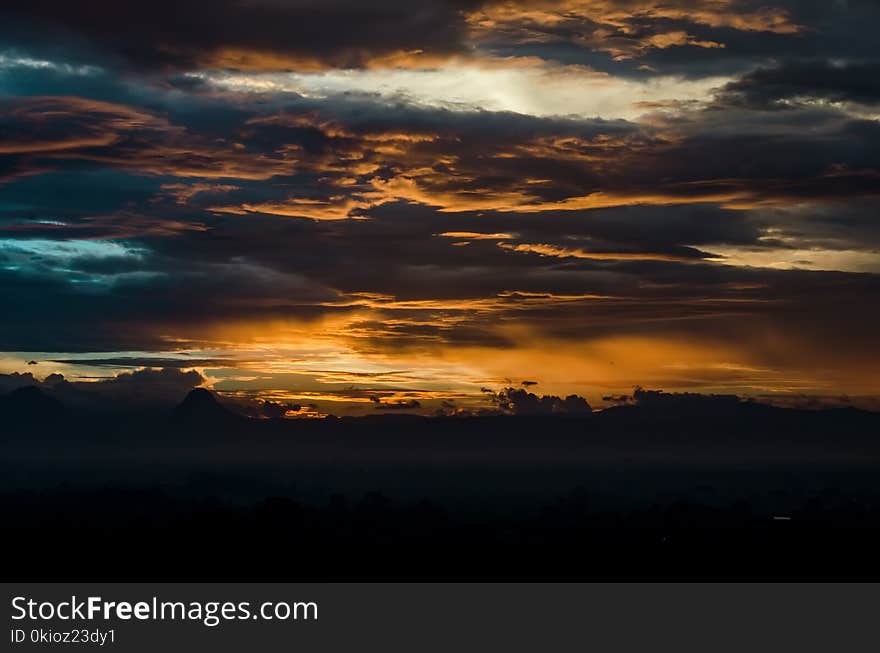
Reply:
x=655, y=425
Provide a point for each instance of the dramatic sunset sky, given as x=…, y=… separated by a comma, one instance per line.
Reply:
x=345, y=205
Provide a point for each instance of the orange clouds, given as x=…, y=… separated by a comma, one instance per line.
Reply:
x=470, y=235
x=622, y=28
x=566, y=252
x=184, y=157
x=63, y=128
x=676, y=39
x=258, y=60
x=592, y=366
x=337, y=130
x=452, y=200
x=333, y=208
x=183, y=193
x=457, y=200
x=46, y=125
x=362, y=167
x=358, y=167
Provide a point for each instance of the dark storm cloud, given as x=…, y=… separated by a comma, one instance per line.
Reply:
x=262, y=265
x=97, y=305
x=635, y=37
x=332, y=165
x=694, y=39
x=850, y=225
x=624, y=37
x=131, y=361
x=274, y=34
x=447, y=155
x=464, y=162
x=42, y=133
x=769, y=88
x=621, y=36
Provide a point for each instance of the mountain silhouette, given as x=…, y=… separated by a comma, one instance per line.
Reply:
x=30, y=404
x=201, y=406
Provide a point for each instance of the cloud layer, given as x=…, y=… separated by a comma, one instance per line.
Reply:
x=444, y=196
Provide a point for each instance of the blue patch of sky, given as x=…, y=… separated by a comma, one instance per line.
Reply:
x=63, y=258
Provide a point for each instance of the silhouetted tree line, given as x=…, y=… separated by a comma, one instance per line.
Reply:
x=136, y=534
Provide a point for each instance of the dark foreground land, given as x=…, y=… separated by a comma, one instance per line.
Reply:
x=671, y=489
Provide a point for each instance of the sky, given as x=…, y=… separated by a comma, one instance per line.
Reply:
x=339, y=207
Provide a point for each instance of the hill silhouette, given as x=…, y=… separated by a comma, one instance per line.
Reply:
x=201, y=406
x=654, y=423
x=30, y=404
